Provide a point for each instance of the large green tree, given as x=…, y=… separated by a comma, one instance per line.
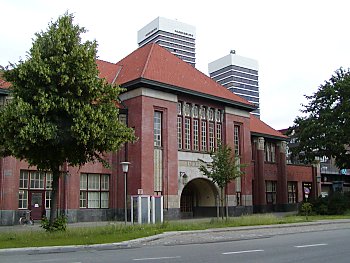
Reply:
x=224, y=168
x=325, y=128
x=61, y=112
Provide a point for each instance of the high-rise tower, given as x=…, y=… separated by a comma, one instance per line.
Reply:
x=239, y=75
x=177, y=37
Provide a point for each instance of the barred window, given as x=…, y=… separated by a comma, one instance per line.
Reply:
x=94, y=191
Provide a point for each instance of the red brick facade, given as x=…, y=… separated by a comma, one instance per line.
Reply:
x=157, y=81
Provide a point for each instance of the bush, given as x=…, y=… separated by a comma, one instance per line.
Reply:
x=337, y=204
x=60, y=224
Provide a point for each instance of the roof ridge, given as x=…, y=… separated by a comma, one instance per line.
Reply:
x=147, y=60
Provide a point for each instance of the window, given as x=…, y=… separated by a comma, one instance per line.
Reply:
x=179, y=108
x=271, y=192
x=37, y=180
x=292, y=192
x=211, y=136
x=217, y=116
x=204, y=135
x=94, y=191
x=237, y=140
x=157, y=129
x=195, y=111
x=34, y=180
x=270, y=152
x=179, y=132
x=195, y=135
x=218, y=133
x=187, y=133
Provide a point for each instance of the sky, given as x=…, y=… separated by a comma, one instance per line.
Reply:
x=298, y=44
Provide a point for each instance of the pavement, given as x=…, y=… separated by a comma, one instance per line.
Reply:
x=180, y=237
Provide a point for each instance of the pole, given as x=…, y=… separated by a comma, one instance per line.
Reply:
x=125, y=201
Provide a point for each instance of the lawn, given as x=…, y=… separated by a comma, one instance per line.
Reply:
x=118, y=232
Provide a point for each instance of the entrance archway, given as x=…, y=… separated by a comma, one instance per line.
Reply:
x=198, y=199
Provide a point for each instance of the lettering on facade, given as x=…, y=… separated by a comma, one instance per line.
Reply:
x=8, y=172
x=152, y=31
x=189, y=163
x=183, y=33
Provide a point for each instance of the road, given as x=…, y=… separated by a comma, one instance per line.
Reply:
x=324, y=245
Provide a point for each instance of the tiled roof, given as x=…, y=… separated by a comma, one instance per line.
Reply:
x=4, y=84
x=155, y=63
x=259, y=127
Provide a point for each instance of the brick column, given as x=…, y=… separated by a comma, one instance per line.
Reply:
x=259, y=182
x=282, y=189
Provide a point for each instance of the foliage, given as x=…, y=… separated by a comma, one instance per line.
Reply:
x=325, y=128
x=335, y=204
x=306, y=209
x=61, y=112
x=59, y=224
x=224, y=166
x=223, y=169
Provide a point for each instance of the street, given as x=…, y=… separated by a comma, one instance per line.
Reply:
x=315, y=246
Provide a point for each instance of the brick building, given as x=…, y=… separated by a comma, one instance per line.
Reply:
x=179, y=114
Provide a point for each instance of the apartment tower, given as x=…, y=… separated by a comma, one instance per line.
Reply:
x=177, y=37
x=239, y=75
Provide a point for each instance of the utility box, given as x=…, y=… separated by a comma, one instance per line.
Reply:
x=140, y=209
x=157, y=209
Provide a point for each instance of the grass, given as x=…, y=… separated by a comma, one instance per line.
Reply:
x=118, y=232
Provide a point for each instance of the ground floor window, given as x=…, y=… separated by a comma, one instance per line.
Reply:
x=94, y=190
x=292, y=192
x=34, y=182
x=271, y=192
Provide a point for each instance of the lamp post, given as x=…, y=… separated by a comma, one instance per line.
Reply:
x=125, y=167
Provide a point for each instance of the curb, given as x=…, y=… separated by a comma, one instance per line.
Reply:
x=138, y=242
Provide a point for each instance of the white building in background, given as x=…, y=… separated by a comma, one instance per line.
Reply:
x=239, y=75
x=177, y=37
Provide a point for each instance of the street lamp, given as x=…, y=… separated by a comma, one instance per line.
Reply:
x=125, y=168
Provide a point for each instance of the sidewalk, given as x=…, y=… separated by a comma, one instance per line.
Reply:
x=187, y=237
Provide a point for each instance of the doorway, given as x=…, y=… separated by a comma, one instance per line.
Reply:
x=37, y=204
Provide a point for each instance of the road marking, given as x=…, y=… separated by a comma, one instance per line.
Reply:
x=244, y=251
x=159, y=258
x=312, y=245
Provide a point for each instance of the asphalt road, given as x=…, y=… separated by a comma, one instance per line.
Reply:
x=311, y=244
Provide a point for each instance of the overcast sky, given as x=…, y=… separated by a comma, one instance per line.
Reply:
x=298, y=44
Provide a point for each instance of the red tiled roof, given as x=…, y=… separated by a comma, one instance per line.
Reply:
x=152, y=62
x=107, y=70
x=260, y=127
x=4, y=84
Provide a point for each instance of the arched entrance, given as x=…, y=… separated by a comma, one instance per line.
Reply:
x=198, y=199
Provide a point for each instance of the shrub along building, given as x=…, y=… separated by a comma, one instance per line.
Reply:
x=179, y=115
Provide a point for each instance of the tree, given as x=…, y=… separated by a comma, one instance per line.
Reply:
x=61, y=112
x=325, y=129
x=223, y=169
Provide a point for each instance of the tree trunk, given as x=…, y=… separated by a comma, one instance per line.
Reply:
x=54, y=194
x=226, y=202
x=222, y=203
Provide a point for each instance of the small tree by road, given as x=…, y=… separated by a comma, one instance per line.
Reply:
x=223, y=169
x=61, y=112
